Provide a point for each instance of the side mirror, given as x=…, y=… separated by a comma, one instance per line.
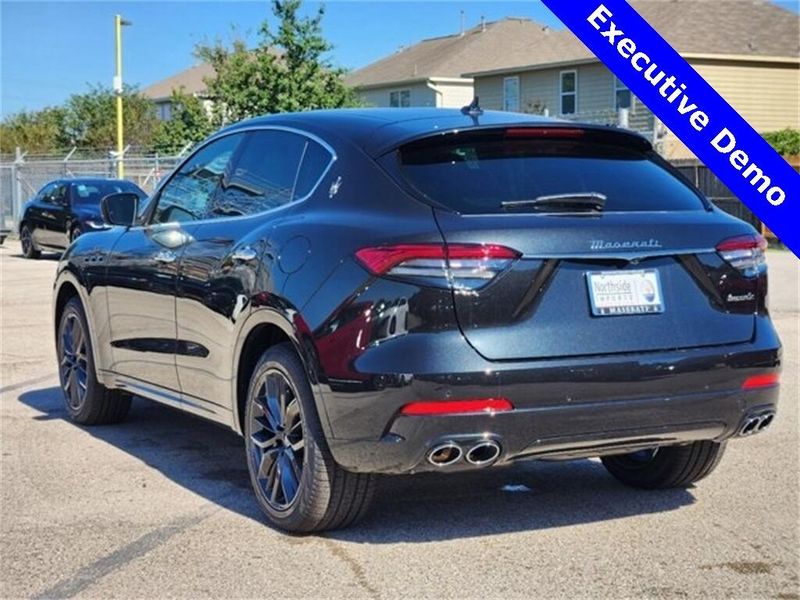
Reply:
x=120, y=209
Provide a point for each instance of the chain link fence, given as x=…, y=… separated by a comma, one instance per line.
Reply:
x=22, y=176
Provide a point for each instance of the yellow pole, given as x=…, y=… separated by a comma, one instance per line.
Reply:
x=118, y=90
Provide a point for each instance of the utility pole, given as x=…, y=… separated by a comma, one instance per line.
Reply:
x=119, y=23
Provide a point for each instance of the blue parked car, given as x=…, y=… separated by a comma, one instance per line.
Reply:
x=64, y=209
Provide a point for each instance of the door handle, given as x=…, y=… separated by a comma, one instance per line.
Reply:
x=165, y=257
x=244, y=255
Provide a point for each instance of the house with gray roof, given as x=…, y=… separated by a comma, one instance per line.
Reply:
x=191, y=81
x=431, y=73
x=748, y=50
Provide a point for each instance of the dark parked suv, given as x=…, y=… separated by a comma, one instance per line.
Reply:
x=394, y=291
x=64, y=209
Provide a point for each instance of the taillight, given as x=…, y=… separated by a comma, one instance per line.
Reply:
x=765, y=380
x=462, y=266
x=456, y=407
x=746, y=253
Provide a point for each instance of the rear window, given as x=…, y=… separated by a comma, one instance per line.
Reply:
x=92, y=193
x=477, y=175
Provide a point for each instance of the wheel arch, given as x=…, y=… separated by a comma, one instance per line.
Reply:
x=68, y=286
x=263, y=329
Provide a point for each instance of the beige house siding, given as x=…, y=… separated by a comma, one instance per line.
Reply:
x=421, y=95
x=541, y=89
x=455, y=95
x=767, y=95
x=447, y=94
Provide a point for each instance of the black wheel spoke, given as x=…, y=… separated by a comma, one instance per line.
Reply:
x=276, y=441
x=74, y=369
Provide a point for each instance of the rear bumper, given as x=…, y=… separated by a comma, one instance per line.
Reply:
x=563, y=409
x=559, y=432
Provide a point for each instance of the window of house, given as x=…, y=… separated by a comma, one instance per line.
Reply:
x=187, y=196
x=511, y=94
x=164, y=111
x=568, y=88
x=400, y=99
x=622, y=95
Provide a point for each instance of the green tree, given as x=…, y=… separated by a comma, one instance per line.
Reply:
x=91, y=118
x=38, y=132
x=786, y=141
x=190, y=122
x=288, y=70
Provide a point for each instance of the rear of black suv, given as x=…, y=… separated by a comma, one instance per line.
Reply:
x=578, y=299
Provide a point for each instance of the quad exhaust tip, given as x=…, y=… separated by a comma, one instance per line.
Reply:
x=756, y=424
x=445, y=454
x=483, y=453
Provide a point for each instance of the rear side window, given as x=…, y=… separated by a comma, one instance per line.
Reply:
x=264, y=174
x=316, y=161
x=476, y=175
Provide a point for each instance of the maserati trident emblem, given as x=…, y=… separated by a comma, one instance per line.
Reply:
x=598, y=245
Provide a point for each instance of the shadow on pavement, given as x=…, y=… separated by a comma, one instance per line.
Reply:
x=209, y=460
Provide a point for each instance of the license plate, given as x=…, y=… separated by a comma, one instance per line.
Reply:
x=625, y=293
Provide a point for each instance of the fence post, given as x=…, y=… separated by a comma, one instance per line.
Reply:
x=16, y=200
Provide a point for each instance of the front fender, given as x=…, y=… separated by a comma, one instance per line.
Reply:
x=68, y=282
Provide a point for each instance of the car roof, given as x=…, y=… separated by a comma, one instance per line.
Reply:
x=378, y=130
x=94, y=180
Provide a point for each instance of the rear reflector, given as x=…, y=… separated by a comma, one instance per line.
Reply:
x=466, y=266
x=455, y=407
x=745, y=252
x=761, y=381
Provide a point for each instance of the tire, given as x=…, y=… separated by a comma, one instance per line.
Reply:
x=87, y=401
x=29, y=249
x=666, y=467
x=283, y=435
x=74, y=233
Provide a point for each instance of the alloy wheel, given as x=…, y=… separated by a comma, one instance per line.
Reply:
x=25, y=240
x=73, y=364
x=277, y=442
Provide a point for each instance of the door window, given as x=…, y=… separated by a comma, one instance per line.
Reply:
x=60, y=195
x=264, y=175
x=46, y=193
x=511, y=94
x=188, y=195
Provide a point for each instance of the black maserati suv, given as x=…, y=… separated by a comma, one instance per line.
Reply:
x=374, y=291
x=64, y=209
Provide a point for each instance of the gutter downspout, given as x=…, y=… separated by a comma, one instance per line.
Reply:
x=437, y=91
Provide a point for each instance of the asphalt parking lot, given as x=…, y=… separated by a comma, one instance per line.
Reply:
x=160, y=506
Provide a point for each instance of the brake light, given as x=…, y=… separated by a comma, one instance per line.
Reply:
x=745, y=253
x=544, y=132
x=463, y=266
x=455, y=407
x=761, y=381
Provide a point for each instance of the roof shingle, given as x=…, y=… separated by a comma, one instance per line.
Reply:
x=720, y=27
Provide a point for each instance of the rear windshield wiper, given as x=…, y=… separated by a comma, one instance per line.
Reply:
x=578, y=202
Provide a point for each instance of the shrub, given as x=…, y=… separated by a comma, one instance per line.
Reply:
x=786, y=141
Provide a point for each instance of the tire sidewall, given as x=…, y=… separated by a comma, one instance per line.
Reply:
x=93, y=388
x=31, y=250
x=308, y=500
